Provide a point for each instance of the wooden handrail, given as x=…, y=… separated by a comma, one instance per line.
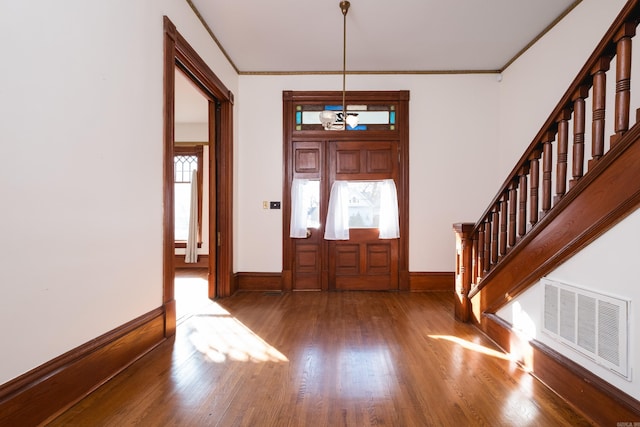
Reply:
x=528, y=194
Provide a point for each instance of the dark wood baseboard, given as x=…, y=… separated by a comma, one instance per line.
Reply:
x=418, y=281
x=431, y=281
x=598, y=400
x=258, y=281
x=203, y=262
x=41, y=394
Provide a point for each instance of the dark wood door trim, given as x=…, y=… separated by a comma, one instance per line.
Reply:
x=291, y=136
x=178, y=52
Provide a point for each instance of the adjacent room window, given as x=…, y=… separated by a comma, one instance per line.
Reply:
x=185, y=161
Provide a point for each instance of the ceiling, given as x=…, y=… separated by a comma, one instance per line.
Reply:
x=190, y=104
x=306, y=36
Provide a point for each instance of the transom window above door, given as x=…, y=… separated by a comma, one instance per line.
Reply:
x=370, y=117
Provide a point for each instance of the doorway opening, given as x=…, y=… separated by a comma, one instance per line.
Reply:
x=214, y=207
x=191, y=195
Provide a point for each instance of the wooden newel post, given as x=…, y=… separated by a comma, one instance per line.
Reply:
x=464, y=265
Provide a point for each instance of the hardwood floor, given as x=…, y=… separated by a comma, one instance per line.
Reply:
x=324, y=359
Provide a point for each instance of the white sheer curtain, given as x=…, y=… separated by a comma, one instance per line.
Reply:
x=191, y=255
x=298, y=228
x=337, y=227
x=389, y=218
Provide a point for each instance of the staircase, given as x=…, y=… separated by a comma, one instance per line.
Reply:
x=570, y=186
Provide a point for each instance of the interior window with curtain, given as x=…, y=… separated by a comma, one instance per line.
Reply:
x=337, y=226
x=186, y=160
x=363, y=204
x=305, y=207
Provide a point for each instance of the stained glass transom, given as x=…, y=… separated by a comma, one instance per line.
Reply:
x=370, y=117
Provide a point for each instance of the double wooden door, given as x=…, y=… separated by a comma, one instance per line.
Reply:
x=363, y=159
x=364, y=261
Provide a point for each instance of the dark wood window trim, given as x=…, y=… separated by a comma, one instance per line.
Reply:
x=198, y=152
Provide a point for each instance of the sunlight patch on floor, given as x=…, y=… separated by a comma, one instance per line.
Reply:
x=221, y=338
x=472, y=346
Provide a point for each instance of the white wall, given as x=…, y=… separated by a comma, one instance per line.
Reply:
x=81, y=107
x=533, y=85
x=191, y=132
x=604, y=266
x=452, y=144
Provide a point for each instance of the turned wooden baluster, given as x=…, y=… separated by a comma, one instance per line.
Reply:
x=475, y=260
x=495, y=231
x=599, y=105
x=482, y=264
x=623, y=79
x=534, y=164
x=513, y=208
x=563, y=146
x=547, y=169
x=504, y=202
x=578, y=133
x=487, y=242
x=522, y=209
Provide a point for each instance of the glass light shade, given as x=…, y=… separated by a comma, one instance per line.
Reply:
x=327, y=118
x=352, y=120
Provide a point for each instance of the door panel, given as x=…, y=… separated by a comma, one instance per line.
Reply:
x=307, y=253
x=347, y=161
x=364, y=262
x=370, y=264
x=307, y=158
x=363, y=160
x=379, y=160
x=347, y=259
x=378, y=259
x=307, y=259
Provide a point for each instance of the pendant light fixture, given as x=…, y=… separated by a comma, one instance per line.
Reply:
x=330, y=119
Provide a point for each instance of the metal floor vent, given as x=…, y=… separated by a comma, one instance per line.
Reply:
x=591, y=323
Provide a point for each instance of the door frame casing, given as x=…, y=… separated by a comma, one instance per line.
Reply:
x=178, y=52
x=290, y=135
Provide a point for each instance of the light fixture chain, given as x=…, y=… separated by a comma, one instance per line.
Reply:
x=344, y=5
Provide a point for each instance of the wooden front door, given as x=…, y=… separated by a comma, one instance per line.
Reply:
x=364, y=157
x=364, y=262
